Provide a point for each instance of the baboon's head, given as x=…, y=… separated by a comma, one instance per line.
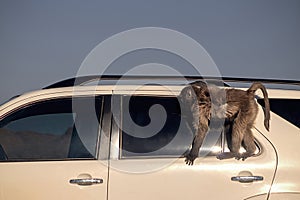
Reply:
x=194, y=93
x=195, y=101
x=211, y=100
x=201, y=99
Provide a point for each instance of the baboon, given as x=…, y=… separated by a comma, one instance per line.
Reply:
x=237, y=108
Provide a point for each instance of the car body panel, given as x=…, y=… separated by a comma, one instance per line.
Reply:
x=285, y=138
x=288, y=94
x=285, y=196
x=258, y=197
x=50, y=180
x=286, y=142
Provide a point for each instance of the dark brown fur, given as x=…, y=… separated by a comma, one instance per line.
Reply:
x=237, y=107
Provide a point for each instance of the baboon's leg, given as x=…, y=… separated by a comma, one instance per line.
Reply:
x=248, y=143
x=228, y=136
x=197, y=142
x=237, y=136
x=228, y=131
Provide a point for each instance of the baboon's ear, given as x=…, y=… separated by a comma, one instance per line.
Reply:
x=196, y=87
x=184, y=94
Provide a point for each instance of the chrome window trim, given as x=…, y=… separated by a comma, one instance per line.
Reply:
x=105, y=129
x=115, y=130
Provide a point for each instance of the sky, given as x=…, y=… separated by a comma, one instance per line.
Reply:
x=42, y=42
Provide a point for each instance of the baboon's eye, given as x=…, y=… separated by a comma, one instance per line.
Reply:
x=189, y=93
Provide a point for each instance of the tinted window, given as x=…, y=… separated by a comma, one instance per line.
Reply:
x=46, y=130
x=153, y=126
x=288, y=109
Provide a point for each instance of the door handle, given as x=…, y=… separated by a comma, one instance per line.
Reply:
x=247, y=179
x=86, y=181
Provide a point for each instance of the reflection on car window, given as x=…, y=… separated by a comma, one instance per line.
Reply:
x=153, y=126
x=46, y=130
x=288, y=109
x=56, y=123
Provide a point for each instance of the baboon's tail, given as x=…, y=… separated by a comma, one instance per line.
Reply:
x=255, y=86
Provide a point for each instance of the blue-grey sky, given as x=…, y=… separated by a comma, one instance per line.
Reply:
x=42, y=42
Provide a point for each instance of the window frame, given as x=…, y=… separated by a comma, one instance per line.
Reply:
x=103, y=116
x=116, y=132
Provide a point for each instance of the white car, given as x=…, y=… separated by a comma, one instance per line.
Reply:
x=128, y=140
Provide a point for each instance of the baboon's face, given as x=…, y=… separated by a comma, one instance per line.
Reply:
x=187, y=96
x=188, y=100
x=212, y=99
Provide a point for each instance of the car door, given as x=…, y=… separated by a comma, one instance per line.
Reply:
x=51, y=150
x=147, y=157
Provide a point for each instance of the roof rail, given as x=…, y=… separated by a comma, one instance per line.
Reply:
x=263, y=80
x=77, y=81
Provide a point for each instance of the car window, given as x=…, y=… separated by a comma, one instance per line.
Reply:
x=288, y=109
x=46, y=130
x=152, y=126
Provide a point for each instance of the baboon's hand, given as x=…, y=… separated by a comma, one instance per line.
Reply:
x=237, y=156
x=189, y=159
x=240, y=157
